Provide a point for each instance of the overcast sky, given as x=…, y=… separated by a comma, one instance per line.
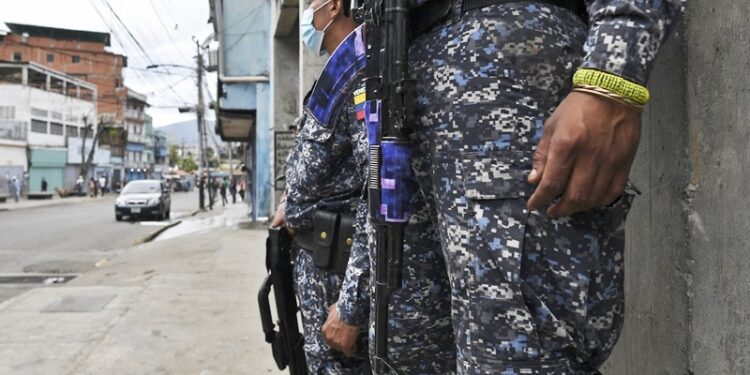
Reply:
x=163, y=27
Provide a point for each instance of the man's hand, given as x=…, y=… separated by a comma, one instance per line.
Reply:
x=278, y=217
x=339, y=335
x=585, y=154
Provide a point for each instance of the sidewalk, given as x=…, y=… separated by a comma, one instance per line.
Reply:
x=184, y=305
x=24, y=203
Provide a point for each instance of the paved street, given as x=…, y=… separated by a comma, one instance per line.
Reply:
x=184, y=304
x=71, y=238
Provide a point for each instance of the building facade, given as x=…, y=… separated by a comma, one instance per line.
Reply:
x=41, y=109
x=243, y=108
x=161, y=153
x=264, y=73
x=80, y=54
x=136, y=165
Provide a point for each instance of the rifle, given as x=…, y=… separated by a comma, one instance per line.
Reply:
x=286, y=343
x=391, y=180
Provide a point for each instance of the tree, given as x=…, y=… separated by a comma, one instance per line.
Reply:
x=188, y=164
x=174, y=158
x=86, y=162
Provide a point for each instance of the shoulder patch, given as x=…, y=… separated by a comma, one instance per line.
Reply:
x=359, y=103
x=344, y=65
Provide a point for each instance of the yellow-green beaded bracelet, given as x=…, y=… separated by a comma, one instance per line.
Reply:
x=591, y=77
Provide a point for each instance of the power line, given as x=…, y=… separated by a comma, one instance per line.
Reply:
x=117, y=38
x=158, y=16
x=137, y=43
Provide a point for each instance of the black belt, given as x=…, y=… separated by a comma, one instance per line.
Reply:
x=330, y=241
x=424, y=17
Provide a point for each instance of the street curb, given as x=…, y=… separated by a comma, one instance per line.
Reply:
x=156, y=233
x=54, y=204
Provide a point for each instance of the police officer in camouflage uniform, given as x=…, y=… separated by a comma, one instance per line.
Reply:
x=326, y=171
x=528, y=171
x=322, y=174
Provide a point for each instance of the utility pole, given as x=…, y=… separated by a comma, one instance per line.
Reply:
x=231, y=166
x=199, y=110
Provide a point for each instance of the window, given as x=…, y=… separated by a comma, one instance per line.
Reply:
x=117, y=83
x=11, y=74
x=17, y=56
x=38, y=126
x=39, y=112
x=50, y=57
x=56, y=128
x=71, y=131
x=37, y=80
x=7, y=113
x=76, y=59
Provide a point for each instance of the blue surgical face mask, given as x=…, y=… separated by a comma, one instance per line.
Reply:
x=311, y=37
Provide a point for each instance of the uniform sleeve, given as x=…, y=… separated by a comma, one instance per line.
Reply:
x=626, y=35
x=310, y=170
x=353, y=304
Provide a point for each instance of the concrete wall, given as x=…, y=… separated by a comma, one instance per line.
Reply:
x=688, y=288
x=286, y=79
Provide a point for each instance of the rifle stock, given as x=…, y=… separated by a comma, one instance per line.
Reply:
x=286, y=342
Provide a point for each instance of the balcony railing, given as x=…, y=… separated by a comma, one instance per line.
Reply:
x=136, y=138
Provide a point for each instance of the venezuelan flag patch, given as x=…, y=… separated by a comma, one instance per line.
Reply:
x=359, y=103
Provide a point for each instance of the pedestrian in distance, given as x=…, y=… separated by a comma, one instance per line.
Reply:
x=44, y=185
x=223, y=190
x=211, y=192
x=102, y=185
x=242, y=189
x=79, y=185
x=15, y=189
x=233, y=190
x=93, y=189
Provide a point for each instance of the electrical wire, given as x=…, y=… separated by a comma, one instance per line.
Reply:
x=137, y=43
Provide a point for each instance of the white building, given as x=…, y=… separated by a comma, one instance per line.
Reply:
x=40, y=109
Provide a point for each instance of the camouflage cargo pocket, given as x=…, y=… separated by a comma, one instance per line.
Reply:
x=501, y=327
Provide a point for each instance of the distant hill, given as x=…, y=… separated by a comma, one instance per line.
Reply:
x=179, y=132
x=187, y=132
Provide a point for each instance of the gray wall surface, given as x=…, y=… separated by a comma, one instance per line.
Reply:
x=286, y=79
x=687, y=279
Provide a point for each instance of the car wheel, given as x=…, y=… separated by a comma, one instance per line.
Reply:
x=118, y=217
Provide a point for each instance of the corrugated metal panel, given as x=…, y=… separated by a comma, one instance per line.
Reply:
x=45, y=157
x=54, y=177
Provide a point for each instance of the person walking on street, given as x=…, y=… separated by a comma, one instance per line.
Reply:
x=79, y=185
x=92, y=188
x=223, y=191
x=16, y=189
x=102, y=185
x=44, y=185
x=233, y=190
x=211, y=192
